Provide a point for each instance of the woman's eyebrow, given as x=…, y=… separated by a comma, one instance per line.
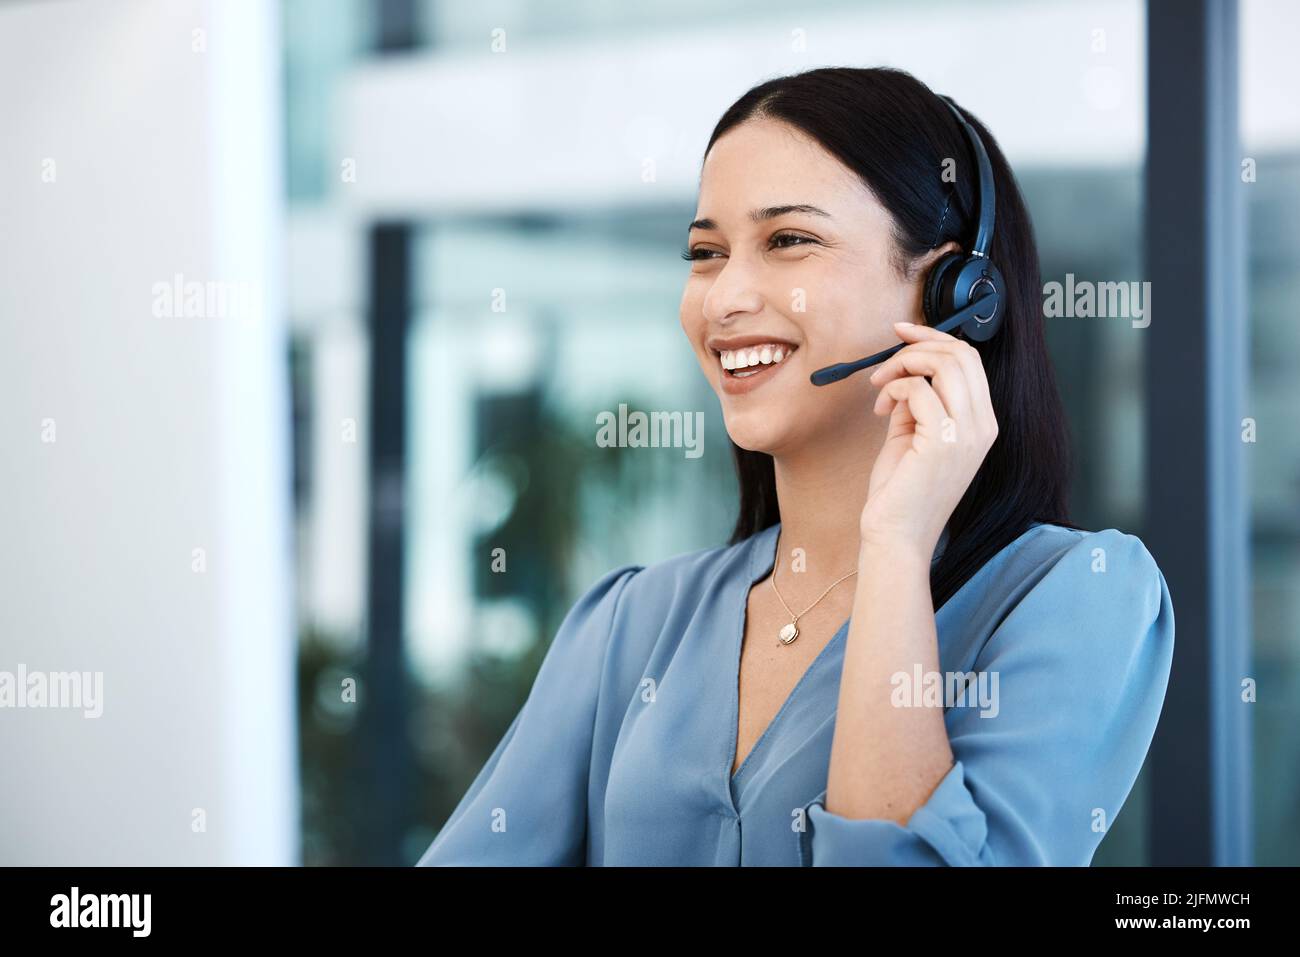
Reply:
x=766, y=212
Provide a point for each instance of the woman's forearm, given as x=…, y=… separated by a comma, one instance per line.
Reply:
x=887, y=756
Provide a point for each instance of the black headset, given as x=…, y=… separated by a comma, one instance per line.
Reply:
x=961, y=289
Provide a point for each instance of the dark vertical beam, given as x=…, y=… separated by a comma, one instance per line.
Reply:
x=397, y=26
x=1197, y=507
x=385, y=743
x=386, y=754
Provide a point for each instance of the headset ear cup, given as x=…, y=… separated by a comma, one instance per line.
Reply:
x=936, y=302
x=971, y=282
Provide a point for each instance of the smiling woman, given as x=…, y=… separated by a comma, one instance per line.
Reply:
x=937, y=484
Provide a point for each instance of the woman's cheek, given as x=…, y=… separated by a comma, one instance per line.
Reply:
x=691, y=318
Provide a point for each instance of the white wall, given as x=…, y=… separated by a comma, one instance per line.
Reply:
x=169, y=434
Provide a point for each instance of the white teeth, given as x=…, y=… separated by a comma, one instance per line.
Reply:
x=769, y=353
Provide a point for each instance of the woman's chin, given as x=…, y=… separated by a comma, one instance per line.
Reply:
x=756, y=433
x=791, y=428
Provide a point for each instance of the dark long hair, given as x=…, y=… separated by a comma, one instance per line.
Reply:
x=894, y=132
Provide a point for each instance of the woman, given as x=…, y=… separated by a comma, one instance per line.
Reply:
x=795, y=697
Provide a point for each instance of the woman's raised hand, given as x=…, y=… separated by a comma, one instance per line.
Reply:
x=939, y=433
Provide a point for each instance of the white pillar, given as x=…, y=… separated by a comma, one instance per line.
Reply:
x=142, y=141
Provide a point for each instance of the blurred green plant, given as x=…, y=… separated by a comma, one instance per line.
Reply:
x=552, y=466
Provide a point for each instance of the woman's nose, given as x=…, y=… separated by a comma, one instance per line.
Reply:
x=734, y=292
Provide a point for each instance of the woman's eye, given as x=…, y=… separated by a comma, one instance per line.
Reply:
x=795, y=240
x=779, y=241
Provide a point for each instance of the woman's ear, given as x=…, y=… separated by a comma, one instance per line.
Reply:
x=924, y=263
x=920, y=274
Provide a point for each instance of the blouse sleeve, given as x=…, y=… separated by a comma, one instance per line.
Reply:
x=1082, y=663
x=528, y=804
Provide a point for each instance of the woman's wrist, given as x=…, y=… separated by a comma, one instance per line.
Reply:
x=892, y=550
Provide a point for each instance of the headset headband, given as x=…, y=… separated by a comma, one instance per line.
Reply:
x=987, y=199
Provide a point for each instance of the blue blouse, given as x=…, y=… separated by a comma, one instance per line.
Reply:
x=622, y=753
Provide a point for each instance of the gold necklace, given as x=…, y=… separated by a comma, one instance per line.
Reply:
x=790, y=632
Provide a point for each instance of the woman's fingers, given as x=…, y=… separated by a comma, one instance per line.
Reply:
x=946, y=370
x=923, y=338
x=922, y=402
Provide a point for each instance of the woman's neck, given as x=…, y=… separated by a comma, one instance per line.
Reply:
x=821, y=491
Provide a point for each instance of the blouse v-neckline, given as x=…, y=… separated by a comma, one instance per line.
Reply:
x=759, y=563
x=761, y=560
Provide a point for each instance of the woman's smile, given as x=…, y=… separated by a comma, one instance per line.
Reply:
x=746, y=362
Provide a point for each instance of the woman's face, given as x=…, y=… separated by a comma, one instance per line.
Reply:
x=792, y=273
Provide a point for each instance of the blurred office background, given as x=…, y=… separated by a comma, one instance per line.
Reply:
x=463, y=220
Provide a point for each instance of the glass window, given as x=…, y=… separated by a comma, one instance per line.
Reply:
x=543, y=308
x=1270, y=175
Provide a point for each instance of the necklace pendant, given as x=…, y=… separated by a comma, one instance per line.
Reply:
x=789, y=633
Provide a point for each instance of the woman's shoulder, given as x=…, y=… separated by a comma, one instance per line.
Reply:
x=1045, y=547
x=1103, y=584
x=683, y=577
x=628, y=611
x=1053, y=576
x=1102, y=603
